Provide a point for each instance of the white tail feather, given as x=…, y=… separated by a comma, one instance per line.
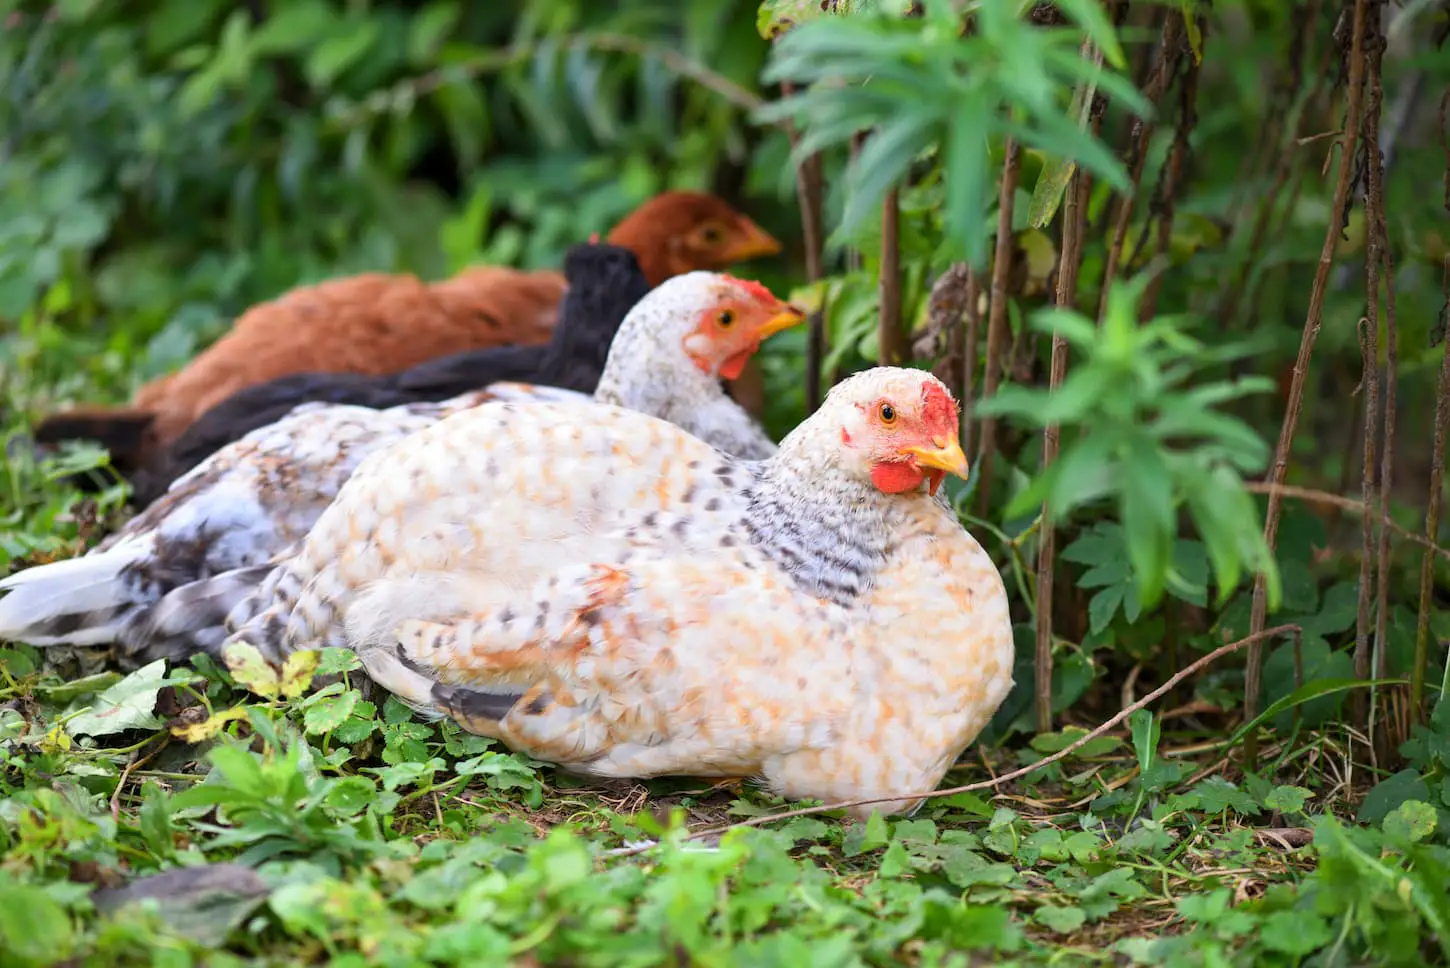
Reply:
x=80, y=601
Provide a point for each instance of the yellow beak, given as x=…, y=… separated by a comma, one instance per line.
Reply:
x=787, y=317
x=753, y=242
x=944, y=455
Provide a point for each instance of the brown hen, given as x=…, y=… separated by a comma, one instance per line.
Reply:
x=378, y=323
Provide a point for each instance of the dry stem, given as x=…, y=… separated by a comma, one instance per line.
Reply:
x=997, y=320
x=891, y=339
x=1312, y=320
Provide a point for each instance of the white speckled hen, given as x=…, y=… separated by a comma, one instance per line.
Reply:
x=818, y=620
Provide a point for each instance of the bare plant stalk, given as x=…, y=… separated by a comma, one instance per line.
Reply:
x=1377, y=237
x=1432, y=513
x=808, y=193
x=1074, y=212
x=1369, y=351
x=1172, y=178
x=997, y=319
x=969, y=357
x=890, y=337
x=1348, y=140
x=1170, y=50
x=1289, y=155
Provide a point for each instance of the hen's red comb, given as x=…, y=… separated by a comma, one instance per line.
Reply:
x=756, y=289
x=938, y=412
x=594, y=239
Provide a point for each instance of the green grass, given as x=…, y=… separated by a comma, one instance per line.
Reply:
x=377, y=839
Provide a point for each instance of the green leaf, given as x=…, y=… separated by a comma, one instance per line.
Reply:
x=334, y=661
x=1061, y=920
x=1390, y=793
x=1310, y=690
x=1287, y=799
x=1410, y=822
x=1296, y=933
x=429, y=28
x=129, y=704
x=1145, y=731
x=293, y=27
x=1102, y=608
x=895, y=862
x=866, y=837
x=330, y=713
x=34, y=930
x=342, y=50
x=1216, y=795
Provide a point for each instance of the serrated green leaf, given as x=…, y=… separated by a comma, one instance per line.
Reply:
x=330, y=713
x=1288, y=799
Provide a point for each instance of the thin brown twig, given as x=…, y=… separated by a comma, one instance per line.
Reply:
x=969, y=356
x=1377, y=231
x=997, y=320
x=1432, y=509
x=1348, y=504
x=1370, y=384
x=808, y=192
x=1312, y=320
x=1287, y=163
x=1171, y=178
x=996, y=781
x=1170, y=50
x=892, y=349
x=1073, y=216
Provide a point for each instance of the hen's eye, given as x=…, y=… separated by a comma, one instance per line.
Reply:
x=726, y=319
x=888, y=413
x=711, y=235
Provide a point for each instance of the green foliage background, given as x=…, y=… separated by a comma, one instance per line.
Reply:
x=164, y=166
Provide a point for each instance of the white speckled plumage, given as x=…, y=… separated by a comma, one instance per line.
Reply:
x=236, y=510
x=603, y=591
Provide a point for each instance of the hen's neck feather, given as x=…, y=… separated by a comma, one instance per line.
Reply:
x=832, y=532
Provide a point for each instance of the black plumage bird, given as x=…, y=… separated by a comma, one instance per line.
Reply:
x=605, y=281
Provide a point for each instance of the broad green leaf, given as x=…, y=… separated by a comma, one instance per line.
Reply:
x=429, y=28
x=335, y=660
x=129, y=704
x=1061, y=920
x=293, y=27
x=1390, y=794
x=1411, y=821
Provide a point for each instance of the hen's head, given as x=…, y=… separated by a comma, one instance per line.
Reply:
x=891, y=426
x=679, y=232
x=707, y=322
